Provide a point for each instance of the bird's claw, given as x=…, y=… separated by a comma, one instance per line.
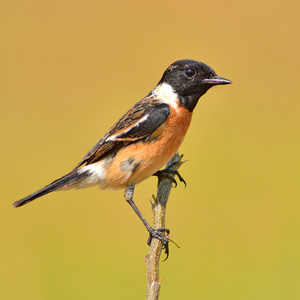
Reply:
x=159, y=234
x=167, y=174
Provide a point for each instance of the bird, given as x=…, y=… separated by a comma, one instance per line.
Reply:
x=143, y=140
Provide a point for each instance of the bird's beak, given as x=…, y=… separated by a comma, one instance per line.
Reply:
x=217, y=80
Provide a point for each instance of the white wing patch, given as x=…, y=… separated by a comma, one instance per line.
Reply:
x=166, y=94
x=113, y=137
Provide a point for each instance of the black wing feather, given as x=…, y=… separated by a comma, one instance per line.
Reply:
x=157, y=112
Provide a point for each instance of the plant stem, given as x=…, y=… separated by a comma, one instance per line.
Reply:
x=159, y=213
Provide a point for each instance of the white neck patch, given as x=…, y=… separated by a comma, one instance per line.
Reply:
x=166, y=93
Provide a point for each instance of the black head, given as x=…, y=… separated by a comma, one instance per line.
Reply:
x=191, y=79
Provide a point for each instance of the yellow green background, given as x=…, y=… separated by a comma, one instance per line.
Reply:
x=70, y=69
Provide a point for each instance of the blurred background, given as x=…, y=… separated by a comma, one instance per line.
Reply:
x=70, y=69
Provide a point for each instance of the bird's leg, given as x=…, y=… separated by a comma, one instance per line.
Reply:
x=167, y=173
x=153, y=233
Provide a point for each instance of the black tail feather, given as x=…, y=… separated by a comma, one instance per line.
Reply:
x=64, y=181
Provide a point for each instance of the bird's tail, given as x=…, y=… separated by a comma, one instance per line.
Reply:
x=63, y=182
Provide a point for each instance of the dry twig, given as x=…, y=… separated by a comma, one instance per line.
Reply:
x=159, y=211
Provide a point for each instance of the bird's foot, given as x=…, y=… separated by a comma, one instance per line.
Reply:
x=167, y=174
x=159, y=234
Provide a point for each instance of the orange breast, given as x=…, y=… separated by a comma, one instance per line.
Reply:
x=139, y=161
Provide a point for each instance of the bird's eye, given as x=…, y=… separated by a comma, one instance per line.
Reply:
x=190, y=72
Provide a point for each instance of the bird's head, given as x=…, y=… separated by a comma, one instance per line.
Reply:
x=190, y=80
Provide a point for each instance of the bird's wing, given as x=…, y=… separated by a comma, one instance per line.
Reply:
x=137, y=124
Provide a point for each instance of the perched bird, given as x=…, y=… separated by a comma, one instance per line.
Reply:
x=144, y=139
